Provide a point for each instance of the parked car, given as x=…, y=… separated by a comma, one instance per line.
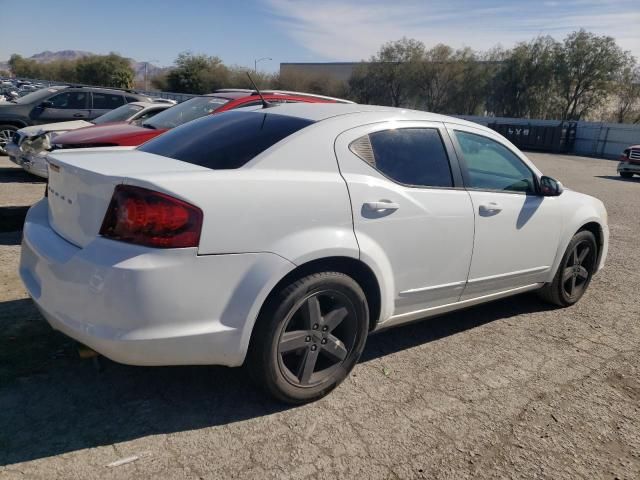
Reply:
x=629, y=162
x=281, y=237
x=30, y=145
x=59, y=104
x=220, y=101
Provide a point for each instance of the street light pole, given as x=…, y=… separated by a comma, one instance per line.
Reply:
x=255, y=63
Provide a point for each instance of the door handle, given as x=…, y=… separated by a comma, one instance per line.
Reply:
x=381, y=205
x=79, y=115
x=489, y=208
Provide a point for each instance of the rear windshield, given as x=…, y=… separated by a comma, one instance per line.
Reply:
x=120, y=114
x=184, y=112
x=226, y=140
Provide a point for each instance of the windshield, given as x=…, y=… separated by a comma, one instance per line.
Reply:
x=120, y=114
x=224, y=141
x=36, y=96
x=185, y=112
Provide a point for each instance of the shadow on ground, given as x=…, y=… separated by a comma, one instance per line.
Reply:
x=12, y=218
x=53, y=402
x=17, y=175
x=619, y=178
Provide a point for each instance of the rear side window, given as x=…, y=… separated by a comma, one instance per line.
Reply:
x=226, y=140
x=411, y=156
x=107, y=101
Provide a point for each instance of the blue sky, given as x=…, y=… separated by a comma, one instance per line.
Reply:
x=239, y=31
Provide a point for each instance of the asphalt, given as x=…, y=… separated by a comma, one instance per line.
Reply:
x=511, y=389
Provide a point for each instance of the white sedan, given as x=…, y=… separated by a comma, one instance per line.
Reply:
x=282, y=237
x=30, y=145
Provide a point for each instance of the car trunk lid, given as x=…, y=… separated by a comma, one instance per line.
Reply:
x=81, y=184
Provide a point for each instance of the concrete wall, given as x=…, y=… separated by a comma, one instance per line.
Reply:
x=597, y=139
x=338, y=70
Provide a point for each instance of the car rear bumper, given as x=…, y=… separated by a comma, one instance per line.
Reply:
x=629, y=167
x=144, y=306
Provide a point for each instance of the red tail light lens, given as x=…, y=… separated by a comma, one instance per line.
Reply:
x=144, y=217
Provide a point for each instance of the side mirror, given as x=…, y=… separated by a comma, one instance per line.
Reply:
x=46, y=104
x=550, y=187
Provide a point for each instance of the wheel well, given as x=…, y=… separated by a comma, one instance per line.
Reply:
x=13, y=123
x=596, y=229
x=356, y=269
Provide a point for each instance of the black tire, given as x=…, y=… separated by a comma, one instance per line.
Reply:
x=309, y=336
x=4, y=139
x=626, y=174
x=574, y=272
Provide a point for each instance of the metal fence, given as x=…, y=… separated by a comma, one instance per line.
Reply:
x=594, y=139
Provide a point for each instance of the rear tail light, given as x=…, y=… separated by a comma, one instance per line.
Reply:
x=144, y=217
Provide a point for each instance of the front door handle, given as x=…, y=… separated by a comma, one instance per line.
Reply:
x=489, y=208
x=79, y=115
x=381, y=205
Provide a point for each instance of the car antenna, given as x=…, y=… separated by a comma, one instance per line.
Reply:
x=265, y=104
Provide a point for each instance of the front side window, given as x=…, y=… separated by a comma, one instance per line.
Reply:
x=69, y=100
x=411, y=156
x=107, y=101
x=492, y=166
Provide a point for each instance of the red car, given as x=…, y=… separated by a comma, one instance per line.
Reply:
x=124, y=134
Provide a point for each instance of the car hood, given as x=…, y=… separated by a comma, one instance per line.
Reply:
x=99, y=133
x=54, y=127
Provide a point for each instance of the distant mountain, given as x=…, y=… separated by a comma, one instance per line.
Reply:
x=48, y=56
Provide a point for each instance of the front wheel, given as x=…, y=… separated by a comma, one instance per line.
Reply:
x=574, y=272
x=309, y=336
x=626, y=174
x=6, y=136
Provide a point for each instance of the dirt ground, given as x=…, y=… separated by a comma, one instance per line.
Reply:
x=512, y=389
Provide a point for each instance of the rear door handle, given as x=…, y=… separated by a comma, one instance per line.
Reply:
x=489, y=208
x=381, y=205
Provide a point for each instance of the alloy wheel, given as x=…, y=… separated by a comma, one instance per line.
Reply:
x=577, y=270
x=6, y=136
x=317, y=337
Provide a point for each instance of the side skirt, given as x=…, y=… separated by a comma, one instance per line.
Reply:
x=450, y=307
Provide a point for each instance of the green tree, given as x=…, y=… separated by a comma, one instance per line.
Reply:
x=626, y=93
x=524, y=84
x=110, y=70
x=392, y=70
x=586, y=64
x=197, y=74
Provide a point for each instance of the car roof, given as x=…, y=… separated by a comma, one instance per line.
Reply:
x=322, y=111
x=151, y=104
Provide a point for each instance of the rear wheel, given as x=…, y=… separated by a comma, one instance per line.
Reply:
x=309, y=337
x=575, y=271
x=626, y=174
x=6, y=136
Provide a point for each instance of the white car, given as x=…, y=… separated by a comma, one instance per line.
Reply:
x=30, y=145
x=283, y=236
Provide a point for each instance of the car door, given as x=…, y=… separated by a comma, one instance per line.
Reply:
x=516, y=229
x=105, y=102
x=62, y=107
x=410, y=211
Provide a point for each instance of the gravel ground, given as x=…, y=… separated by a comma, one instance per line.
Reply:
x=509, y=389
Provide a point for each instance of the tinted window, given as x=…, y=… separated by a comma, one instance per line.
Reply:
x=492, y=166
x=225, y=140
x=107, y=101
x=412, y=156
x=120, y=114
x=70, y=100
x=185, y=112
